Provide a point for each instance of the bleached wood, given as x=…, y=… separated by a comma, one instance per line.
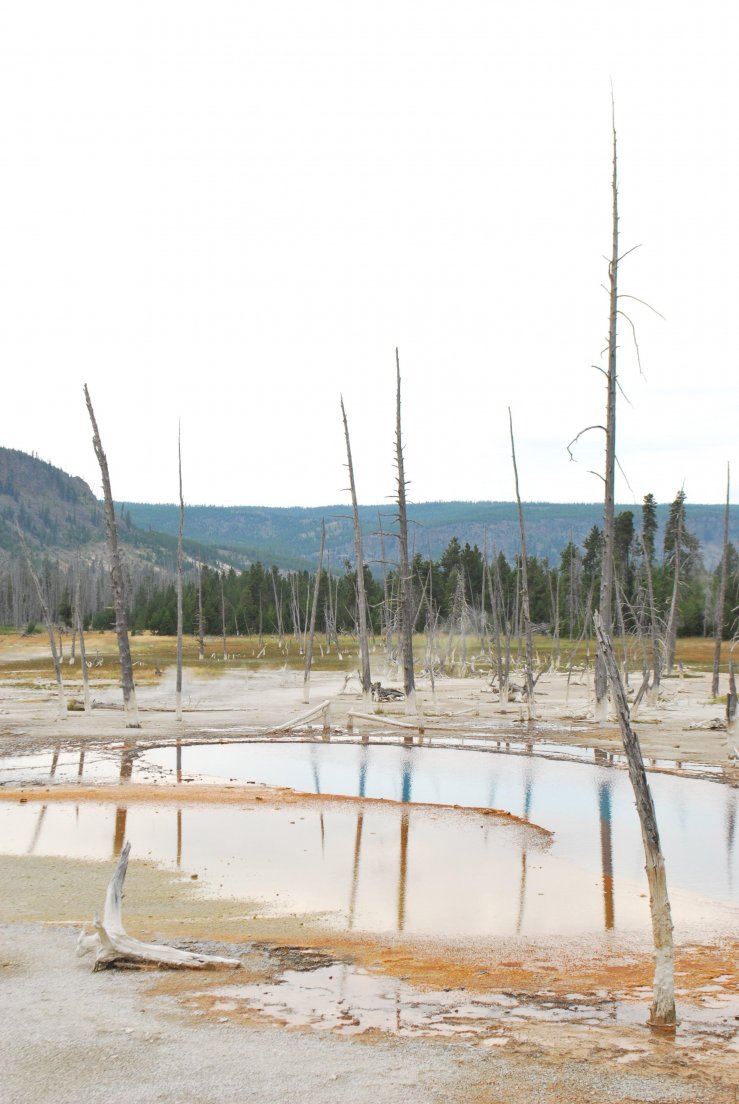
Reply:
x=359, y=562
x=55, y=657
x=309, y=715
x=178, y=683
x=112, y=945
x=312, y=628
x=116, y=577
x=662, y=1013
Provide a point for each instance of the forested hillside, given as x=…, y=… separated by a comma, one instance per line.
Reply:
x=289, y=536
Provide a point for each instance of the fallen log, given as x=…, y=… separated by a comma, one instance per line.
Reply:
x=113, y=946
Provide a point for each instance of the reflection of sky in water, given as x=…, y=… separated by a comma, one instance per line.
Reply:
x=400, y=868
x=695, y=816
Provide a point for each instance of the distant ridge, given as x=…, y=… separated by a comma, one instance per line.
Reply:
x=61, y=518
x=295, y=531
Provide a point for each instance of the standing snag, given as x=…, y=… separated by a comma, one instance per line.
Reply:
x=359, y=560
x=178, y=687
x=524, y=589
x=404, y=572
x=56, y=660
x=313, y=613
x=662, y=1013
x=116, y=576
x=606, y=578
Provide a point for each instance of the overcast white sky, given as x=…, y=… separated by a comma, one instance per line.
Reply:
x=231, y=212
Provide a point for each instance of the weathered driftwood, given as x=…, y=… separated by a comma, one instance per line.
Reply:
x=322, y=710
x=662, y=1013
x=373, y=718
x=113, y=946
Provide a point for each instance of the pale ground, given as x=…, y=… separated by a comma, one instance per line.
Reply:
x=67, y=1034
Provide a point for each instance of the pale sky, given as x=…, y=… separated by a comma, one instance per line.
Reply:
x=232, y=212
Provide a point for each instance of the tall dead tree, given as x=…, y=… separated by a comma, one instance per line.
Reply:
x=116, y=576
x=201, y=622
x=524, y=588
x=404, y=572
x=312, y=627
x=662, y=1013
x=721, y=596
x=48, y=623
x=178, y=687
x=83, y=653
x=223, y=621
x=672, y=617
x=606, y=578
x=359, y=560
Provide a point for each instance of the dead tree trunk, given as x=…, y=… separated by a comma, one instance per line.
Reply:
x=116, y=575
x=83, y=653
x=606, y=578
x=314, y=610
x=62, y=701
x=223, y=621
x=721, y=595
x=278, y=610
x=387, y=620
x=112, y=944
x=201, y=626
x=178, y=687
x=653, y=628
x=671, y=631
x=359, y=559
x=662, y=1013
x=524, y=589
x=404, y=574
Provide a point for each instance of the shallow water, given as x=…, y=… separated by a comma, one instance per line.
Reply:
x=587, y=806
x=403, y=868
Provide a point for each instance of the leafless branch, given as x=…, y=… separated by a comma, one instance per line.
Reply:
x=644, y=303
x=581, y=434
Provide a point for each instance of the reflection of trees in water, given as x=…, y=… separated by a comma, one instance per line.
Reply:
x=406, y=786
x=128, y=755
x=730, y=832
x=606, y=852
x=528, y=794
x=355, y=869
x=37, y=830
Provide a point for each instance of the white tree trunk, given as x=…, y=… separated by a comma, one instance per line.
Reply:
x=116, y=576
x=663, y=1006
x=112, y=945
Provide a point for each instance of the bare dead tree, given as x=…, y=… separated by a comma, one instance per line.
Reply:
x=524, y=588
x=387, y=621
x=404, y=573
x=83, y=653
x=178, y=686
x=312, y=627
x=201, y=622
x=606, y=578
x=278, y=610
x=62, y=701
x=366, y=676
x=662, y=1013
x=223, y=620
x=672, y=617
x=653, y=622
x=721, y=596
x=117, y=581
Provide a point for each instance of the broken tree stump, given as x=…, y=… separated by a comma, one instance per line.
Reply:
x=113, y=946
